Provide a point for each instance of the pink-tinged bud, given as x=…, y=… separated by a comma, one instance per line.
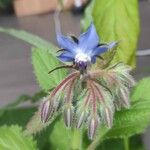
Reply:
x=108, y=117
x=46, y=110
x=125, y=97
x=93, y=124
x=81, y=119
x=68, y=116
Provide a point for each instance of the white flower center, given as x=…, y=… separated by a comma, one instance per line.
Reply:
x=82, y=57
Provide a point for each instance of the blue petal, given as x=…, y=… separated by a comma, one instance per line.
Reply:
x=99, y=50
x=66, y=57
x=66, y=43
x=88, y=40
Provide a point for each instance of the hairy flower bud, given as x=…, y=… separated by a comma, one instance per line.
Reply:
x=125, y=97
x=92, y=127
x=108, y=117
x=81, y=119
x=46, y=110
x=68, y=116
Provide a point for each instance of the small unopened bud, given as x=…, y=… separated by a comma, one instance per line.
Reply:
x=68, y=116
x=125, y=97
x=81, y=119
x=108, y=117
x=46, y=110
x=93, y=124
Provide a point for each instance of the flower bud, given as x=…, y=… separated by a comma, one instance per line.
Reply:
x=125, y=97
x=81, y=119
x=46, y=110
x=68, y=116
x=93, y=124
x=108, y=117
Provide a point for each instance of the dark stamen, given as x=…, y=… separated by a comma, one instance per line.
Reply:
x=75, y=39
x=102, y=44
x=61, y=50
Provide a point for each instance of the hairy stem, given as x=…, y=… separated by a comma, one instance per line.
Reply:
x=126, y=143
x=76, y=142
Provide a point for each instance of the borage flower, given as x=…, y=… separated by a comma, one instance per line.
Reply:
x=84, y=50
x=88, y=96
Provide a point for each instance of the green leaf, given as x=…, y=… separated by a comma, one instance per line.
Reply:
x=43, y=62
x=117, y=144
x=31, y=39
x=18, y=116
x=21, y=117
x=141, y=91
x=60, y=137
x=13, y=138
x=117, y=21
x=136, y=119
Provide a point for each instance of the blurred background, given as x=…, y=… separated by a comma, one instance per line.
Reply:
x=36, y=16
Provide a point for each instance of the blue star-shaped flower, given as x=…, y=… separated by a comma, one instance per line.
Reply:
x=84, y=50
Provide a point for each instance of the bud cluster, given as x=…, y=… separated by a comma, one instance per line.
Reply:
x=91, y=98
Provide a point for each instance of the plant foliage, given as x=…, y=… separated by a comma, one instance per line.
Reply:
x=43, y=62
x=13, y=138
x=116, y=21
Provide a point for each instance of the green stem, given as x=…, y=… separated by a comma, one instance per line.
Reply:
x=126, y=143
x=98, y=139
x=76, y=140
